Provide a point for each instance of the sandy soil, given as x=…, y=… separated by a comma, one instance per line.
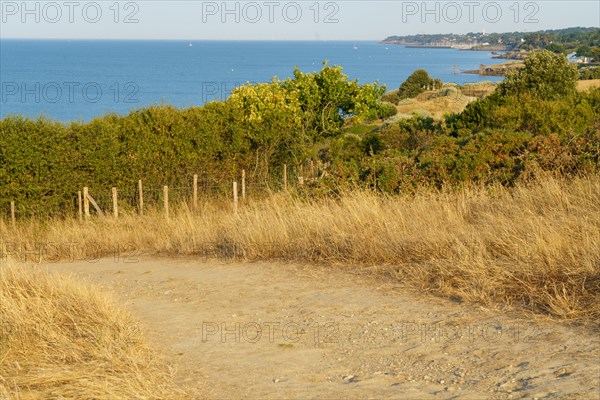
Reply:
x=271, y=330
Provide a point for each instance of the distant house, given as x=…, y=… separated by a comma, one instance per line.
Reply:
x=578, y=60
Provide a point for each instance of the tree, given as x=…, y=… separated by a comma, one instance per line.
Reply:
x=540, y=98
x=556, y=48
x=415, y=84
x=267, y=116
x=545, y=76
x=584, y=51
x=325, y=96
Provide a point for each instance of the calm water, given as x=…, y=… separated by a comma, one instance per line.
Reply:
x=71, y=80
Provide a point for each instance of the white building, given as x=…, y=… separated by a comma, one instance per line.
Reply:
x=578, y=60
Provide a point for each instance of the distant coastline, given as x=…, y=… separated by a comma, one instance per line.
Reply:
x=426, y=46
x=447, y=45
x=516, y=44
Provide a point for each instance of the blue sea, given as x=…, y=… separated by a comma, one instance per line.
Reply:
x=69, y=80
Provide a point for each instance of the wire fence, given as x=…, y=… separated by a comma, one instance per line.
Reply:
x=129, y=199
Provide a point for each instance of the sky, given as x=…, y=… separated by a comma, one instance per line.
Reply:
x=283, y=20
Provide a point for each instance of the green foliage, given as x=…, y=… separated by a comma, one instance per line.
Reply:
x=324, y=96
x=416, y=84
x=539, y=99
x=387, y=110
x=347, y=147
x=390, y=97
x=589, y=73
x=258, y=128
x=584, y=51
x=535, y=120
x=373, y=143
x=556, y=48
x=433, y=158
x=545, y=76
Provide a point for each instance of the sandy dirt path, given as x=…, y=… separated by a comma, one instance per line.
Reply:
x=271, y=330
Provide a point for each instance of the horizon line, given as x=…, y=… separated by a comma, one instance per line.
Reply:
x=199, y=40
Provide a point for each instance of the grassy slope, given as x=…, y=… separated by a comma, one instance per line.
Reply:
x=427, y=104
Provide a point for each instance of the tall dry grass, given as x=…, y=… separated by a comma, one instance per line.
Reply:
x=62, y=339
x=535, y=246
x=586, y=85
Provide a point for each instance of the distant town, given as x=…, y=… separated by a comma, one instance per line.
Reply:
x=471, y=41
x=582, y=45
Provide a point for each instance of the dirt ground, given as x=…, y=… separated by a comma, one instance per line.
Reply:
x=280, y=331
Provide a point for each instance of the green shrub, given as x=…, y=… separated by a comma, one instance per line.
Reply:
x=589, y=73
x=546, y=75
x=387, y=110
x=390, y=97
x=373, y=144
x=416, y=84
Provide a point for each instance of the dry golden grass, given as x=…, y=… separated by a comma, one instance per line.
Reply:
x=62, y=339
x=584, y=86
x=436, y=108
x=535, y=246
x=433, y=104
x=427, y=104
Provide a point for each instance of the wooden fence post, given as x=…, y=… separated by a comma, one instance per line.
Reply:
x=86, y=203
x=115, y=203
x=243, y=184
x=141, y=194
x=285, y=177
x=195, y=192
x=13, y=218
x=235, y=197
x=93, y=202
x=79, y=206
x=166, y=198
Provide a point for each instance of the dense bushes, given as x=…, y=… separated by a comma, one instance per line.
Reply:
x=406, y=160
x=589, y=73
x=43, y=163
x=539, y=99
x=535, y=120
x=416, y=83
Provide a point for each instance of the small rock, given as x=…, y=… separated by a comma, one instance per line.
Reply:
x=563, y=372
